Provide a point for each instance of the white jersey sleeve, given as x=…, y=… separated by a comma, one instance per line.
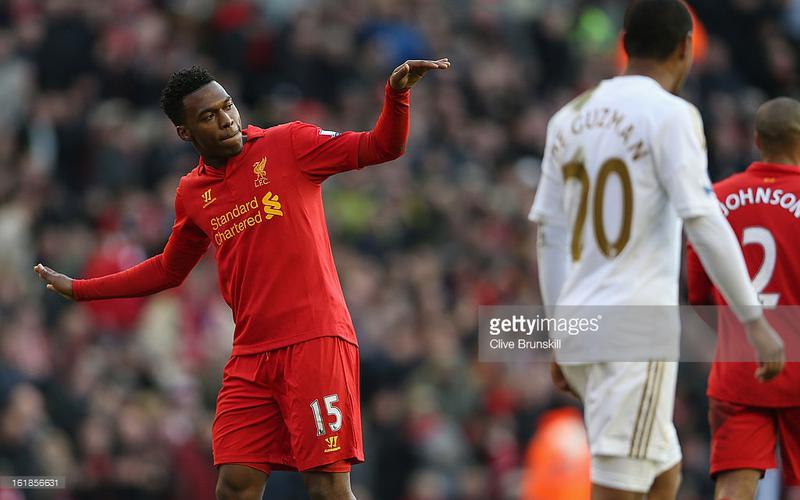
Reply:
x=681, y=163
x=548, y=205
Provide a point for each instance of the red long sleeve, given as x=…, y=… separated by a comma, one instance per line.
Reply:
x=187, y=244
x=322, y=153
x=699, y=285
x=387, y=141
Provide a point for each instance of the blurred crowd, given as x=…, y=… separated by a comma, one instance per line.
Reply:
x=118, y=396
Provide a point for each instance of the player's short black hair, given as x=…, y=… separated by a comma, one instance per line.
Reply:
x=180, y=84
x=654, y=28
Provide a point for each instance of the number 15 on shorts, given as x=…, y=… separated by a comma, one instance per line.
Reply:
x=330, y=410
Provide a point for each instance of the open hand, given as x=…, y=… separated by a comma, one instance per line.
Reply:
x=56, y=282
x=410, y=72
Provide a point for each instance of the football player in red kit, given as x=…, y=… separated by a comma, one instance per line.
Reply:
x=762, y=205
x=290, y=391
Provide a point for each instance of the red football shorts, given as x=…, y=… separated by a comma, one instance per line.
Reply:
x=744, y=437
x=293, y=408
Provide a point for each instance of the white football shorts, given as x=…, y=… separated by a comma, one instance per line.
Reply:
x=628, y=415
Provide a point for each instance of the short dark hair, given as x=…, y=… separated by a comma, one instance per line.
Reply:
x=180, y=84
x=654, y=28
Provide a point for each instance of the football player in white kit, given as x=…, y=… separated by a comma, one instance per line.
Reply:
x=624, y=169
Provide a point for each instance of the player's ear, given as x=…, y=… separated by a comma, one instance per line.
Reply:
x=758, y=141
x=183, y=133
x=685, y=47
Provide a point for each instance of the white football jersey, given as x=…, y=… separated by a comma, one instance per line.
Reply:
x=623, y=163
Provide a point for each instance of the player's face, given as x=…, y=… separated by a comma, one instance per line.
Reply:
x=212, y=122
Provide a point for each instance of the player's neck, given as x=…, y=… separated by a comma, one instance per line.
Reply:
x=218, y=163
x=652, y=69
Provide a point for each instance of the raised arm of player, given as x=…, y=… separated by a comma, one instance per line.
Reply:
x=320, y=153
x=682, y=169
x=186, y=245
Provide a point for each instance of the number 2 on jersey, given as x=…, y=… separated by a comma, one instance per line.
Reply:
x=762, y=237
x=330, y=410
x=577, y=171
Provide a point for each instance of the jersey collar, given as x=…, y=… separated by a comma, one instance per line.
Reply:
x=249, y=134
x=763, y=168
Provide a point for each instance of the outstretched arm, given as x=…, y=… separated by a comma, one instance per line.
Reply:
x=387, y=140
x=320, y=153
x=186, y=245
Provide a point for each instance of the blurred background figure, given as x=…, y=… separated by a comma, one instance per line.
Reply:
x=557, y=460
x=88, y=169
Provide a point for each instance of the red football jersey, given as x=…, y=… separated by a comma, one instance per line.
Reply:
x=762, y=205
x=263, y=213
